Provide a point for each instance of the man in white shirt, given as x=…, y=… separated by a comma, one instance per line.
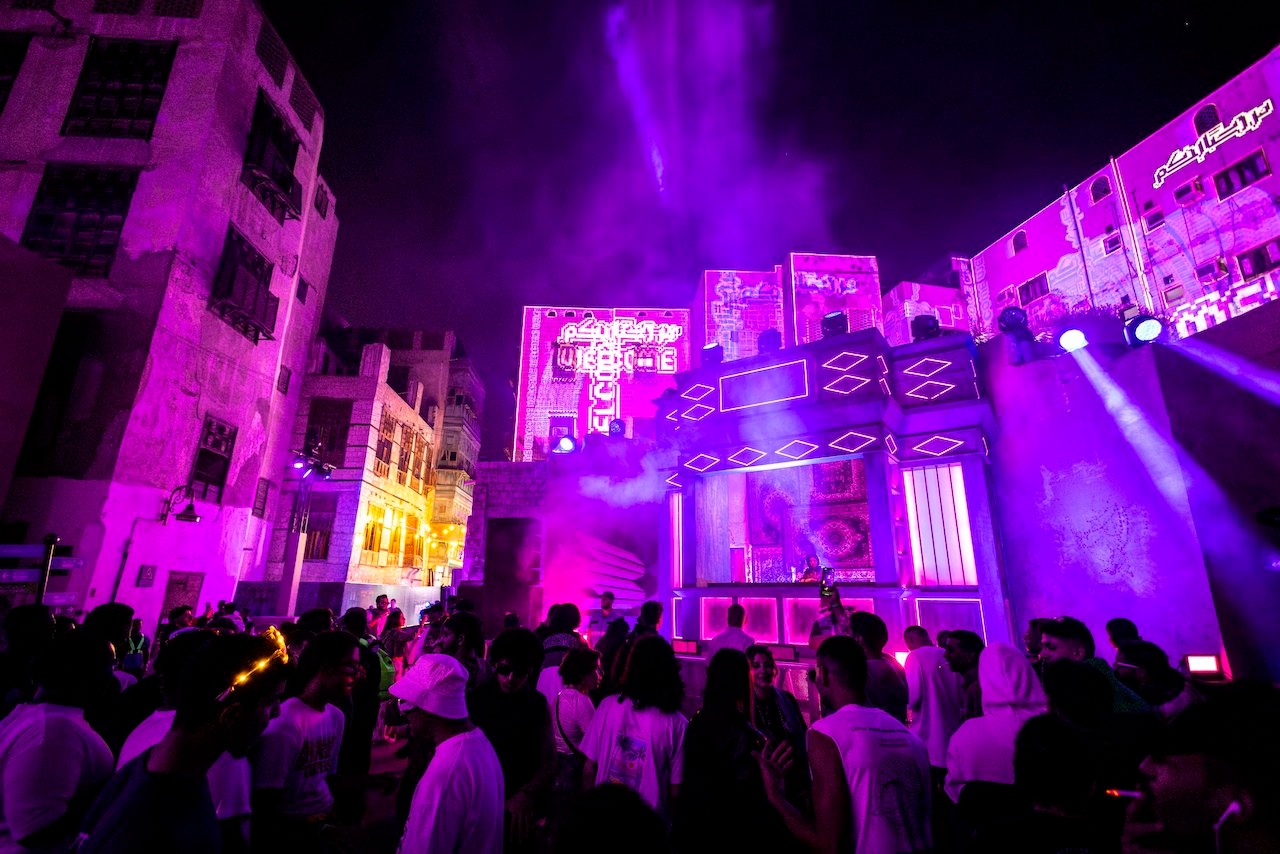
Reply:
x=51, y=761
x=733, y=637
x=871, y=787
x=458, y=804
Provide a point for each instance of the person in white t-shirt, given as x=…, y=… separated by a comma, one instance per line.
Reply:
x=458, y=804
x=297, y=755
x=571, y=708
x=871, y=788
x=934, y=702
x=733, y=637
x=51, y=761
x=636, y=737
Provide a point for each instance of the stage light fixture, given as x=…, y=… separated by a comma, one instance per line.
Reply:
x=1143, y=329
x=1012, y=319
x=925, y=327
x=1072, y=340
x=617, y=427
x=565, y=445
x=834, y=323
x=769, y=341
x=712, y=354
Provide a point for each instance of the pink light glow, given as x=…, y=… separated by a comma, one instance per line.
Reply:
x=842, y=444
x=845, y=360
x=940, y=448
x=927, y=367
x=901, y=657
x=847, y=384
x=762, y=618
x=884, y=387
x=752, y=456
x=788, y=452
x=1204, y=664
x=884, y=366
x=715, y=610
x=935, y=389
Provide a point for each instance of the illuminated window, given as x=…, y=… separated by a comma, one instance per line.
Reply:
x=1033, y=289
x=1100, y=189
x=262, y=497
x=241, y=293
x=13, y=50
x=373, y=533
x=324, y=509
x=938, y=518
x=386, y=441
x=78, y=215
x=1206, y=119
x=1241, y=174
x=328, y=423
x=269, y=159
x=213, y=460
x=120, y=88
x=1019, y=242
x=1259, y=260
x=395, y=547
x=406, y=454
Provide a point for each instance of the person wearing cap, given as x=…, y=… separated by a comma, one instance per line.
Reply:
x=458, y=804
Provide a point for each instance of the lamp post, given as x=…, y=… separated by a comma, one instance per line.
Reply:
x=186, y=514
x=310, y=467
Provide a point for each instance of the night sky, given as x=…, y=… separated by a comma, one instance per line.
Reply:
x=489, y=154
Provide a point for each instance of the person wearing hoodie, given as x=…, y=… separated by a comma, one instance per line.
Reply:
x=982, y=748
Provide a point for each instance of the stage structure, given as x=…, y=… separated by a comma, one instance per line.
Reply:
x=872, y=458
x=583, y=368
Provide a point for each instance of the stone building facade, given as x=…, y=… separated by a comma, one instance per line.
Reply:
x=165, y=152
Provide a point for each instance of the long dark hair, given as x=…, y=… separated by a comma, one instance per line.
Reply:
x=728, y=689
x=652, y=677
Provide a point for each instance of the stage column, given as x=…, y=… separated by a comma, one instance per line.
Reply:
x=986, y=553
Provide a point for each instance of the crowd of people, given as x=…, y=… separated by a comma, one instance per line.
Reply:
x=216, y=736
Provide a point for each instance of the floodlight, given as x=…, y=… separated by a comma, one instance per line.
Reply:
x=1072, y=340
x=834, y=323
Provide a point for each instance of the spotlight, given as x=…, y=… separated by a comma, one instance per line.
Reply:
x=1012, y=319
x=565, y=445
x=770, y=341
x=1072, y=340
x=834, y=323
x=924, y=327
x=617, y=427
x=299, y=463
x=1142, y=329
x=712, y=354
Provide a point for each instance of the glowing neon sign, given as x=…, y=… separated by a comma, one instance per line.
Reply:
x=1244, y=122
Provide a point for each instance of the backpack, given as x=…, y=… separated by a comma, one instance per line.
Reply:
x=134, y=659
x=386, y=670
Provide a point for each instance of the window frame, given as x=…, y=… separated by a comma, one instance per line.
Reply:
x=214, y=452
x=99, y=59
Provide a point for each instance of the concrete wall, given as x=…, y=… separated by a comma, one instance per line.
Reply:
x=1085, y=529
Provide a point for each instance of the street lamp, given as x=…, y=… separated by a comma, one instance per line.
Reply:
x=186, y=514
x=310, y=466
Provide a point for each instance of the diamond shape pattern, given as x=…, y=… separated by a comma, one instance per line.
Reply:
x=701, y=462
x=697, y=391
x=936, y=446
x=852, y=442
x=930, y=389
x=891, y=443
x=844, y=360
x=797, y=449
x=698, y=411
x=847, y=384
x=748, y=456
x=927, y=367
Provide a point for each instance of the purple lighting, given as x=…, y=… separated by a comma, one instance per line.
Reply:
x=747, y=452
x=701, y=462
x=884, y=387
x=891, y=443
x=844, y=443
x=844, y=361
x=940, y=445
x=674, y=481
x=930, y=389
x=927, y=367
x=789, y=450
x=697, y=391
x=698, y=411
x=847, y=384
x=884, y=366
